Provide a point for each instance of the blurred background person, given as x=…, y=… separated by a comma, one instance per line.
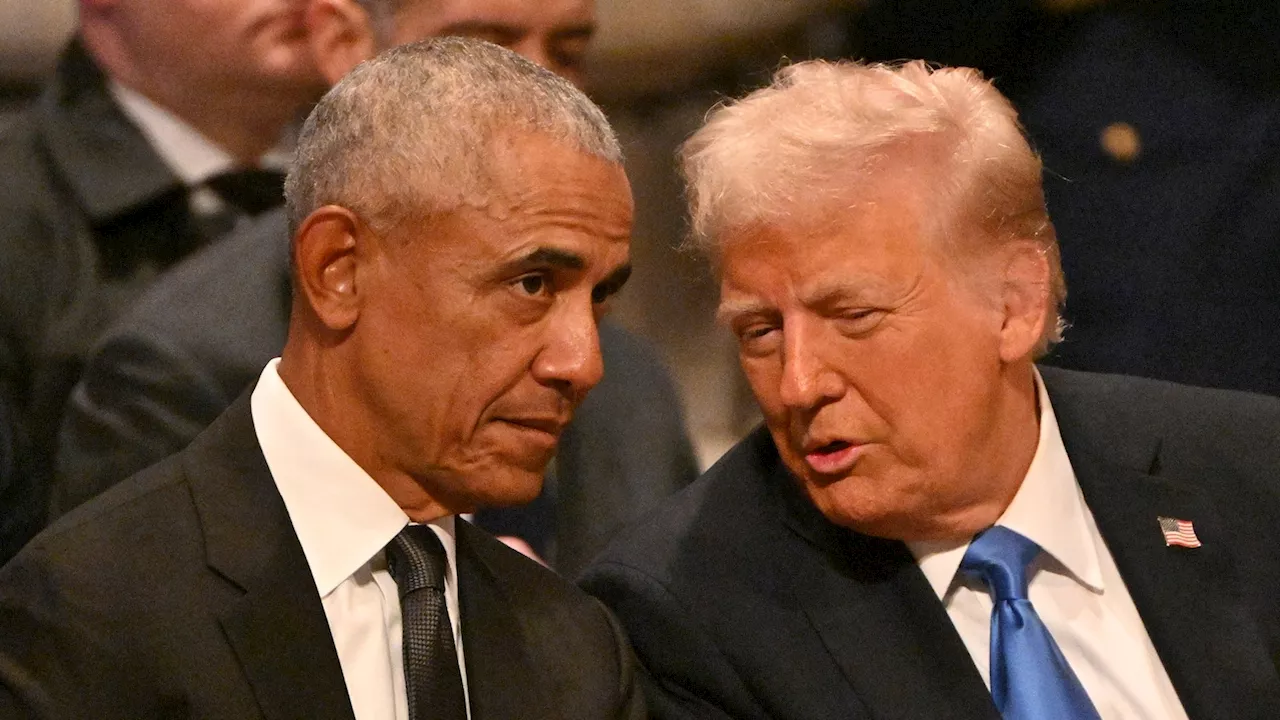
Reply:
x=125, y=164
x=1159, y=125
x=201, y=335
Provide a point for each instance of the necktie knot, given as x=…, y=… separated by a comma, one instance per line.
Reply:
x=1030, y=677
x=416, y=559
x=251, y=190
x=433, y=681
x=1000, y=556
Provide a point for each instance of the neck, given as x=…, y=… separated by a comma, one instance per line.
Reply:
x=1005, y=454
x=326, y=397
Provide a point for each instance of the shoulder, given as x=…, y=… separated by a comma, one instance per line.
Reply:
x=95, y=558
x=1224, y=441
x=40, y=223
x=227, y=303
x=240, y=273
x=531, y=587
x=1228, y=419
x=543, y=624
x=727, y=520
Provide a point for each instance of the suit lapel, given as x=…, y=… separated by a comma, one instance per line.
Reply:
x=1188, y=598
x=501, y=683
x=880, y=620
x=277, y=627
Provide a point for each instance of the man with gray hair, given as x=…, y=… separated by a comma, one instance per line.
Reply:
x=460, y=219
x=191, y=344
x=929, y=525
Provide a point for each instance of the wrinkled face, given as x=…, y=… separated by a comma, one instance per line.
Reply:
x=225, y=43
x=877, y=368
x=551, y=33
x=478, y=336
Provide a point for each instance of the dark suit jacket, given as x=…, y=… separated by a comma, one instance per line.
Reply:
x=89, y=213
x=184, y=593
x=204, y=333
x=742, y=601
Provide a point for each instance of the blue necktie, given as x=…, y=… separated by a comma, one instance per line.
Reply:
x=1030, y=679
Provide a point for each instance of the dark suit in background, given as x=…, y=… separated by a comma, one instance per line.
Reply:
x=204, y=332
x=89, y=214
x=235, y=629
x=743, y=601
x=7, y=475
x=1171, y=247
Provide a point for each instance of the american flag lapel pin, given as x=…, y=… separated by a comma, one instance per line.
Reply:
x=1178, y=532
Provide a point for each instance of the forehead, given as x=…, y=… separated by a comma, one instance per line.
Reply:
x=534, y=172
x=526, y=15
x=541, y=195
x=868, y=247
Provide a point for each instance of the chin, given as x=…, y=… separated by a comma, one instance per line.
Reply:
x=846, y=502
x=506, y=487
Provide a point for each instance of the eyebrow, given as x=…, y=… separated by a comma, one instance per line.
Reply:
x=727, y=311
x=814, y=297
x=555, y=258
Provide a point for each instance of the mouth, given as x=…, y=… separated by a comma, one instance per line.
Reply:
x=835, y=457
x=547, y=428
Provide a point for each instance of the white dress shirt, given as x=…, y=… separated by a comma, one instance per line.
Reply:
x=344, y=520
x=1074, y=586
x=190, y=155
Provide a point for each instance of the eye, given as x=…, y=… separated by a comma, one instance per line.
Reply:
x=758, y=339
x=860, y=321
x=532, y=285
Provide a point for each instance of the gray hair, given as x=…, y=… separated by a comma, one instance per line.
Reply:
x=407, y=134
x=818, y=134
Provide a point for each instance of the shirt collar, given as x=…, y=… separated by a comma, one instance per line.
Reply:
x=190, y=155
x=342, y=517
x=1048, y=508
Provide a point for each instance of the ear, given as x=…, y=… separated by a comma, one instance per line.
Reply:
x=328, y=251
x=1025, y=300
x=341, y=36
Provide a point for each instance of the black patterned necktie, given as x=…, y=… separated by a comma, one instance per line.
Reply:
x=252, y=191
x=433, y=683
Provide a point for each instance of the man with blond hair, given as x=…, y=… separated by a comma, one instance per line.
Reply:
x=929, y=525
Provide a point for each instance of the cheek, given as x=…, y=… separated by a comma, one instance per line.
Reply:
x=942, y=386
x=764, y=376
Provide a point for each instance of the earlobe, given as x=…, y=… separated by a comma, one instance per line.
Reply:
x=326, y=255
x=341, y=37
x=1026, y=301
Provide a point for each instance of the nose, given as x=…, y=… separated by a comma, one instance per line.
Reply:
x=570, y=360
x=808, y=381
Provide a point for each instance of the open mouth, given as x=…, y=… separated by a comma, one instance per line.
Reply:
x=837, y=456
x=833, y=446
